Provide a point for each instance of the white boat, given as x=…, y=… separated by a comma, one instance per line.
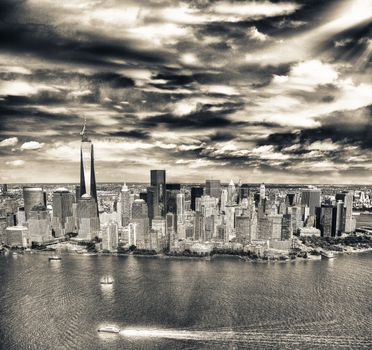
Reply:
x=327, y=254
x=107, y=280
x=54, y=257
x=109, y=329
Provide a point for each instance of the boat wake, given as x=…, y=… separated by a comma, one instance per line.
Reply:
x=268, y=338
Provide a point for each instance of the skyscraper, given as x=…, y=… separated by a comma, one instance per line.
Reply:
x=33, y=197
x=327, y=220
x=63, y=221
x=125, y=205
x=213, y=188
x=141, y=219
x=158, y=180
x=180, y=207
x=87, y=205
x=262, y=192
x=311, y=198
x=87, y=174
x=348, y=223
x=231, y=192
x=196, y=192
x=152, y=202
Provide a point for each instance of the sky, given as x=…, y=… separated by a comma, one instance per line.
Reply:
x=262, y=91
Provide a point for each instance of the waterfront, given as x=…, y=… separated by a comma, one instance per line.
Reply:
x=177, y=304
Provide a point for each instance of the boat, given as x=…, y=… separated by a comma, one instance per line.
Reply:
x=54, y=257
x=327, y=254
x=109, y=329
x=107, y=280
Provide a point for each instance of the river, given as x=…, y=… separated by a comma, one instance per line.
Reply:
x=185, y=304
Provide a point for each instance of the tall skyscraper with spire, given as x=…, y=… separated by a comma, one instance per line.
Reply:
x=87, y=204
x=87, y=174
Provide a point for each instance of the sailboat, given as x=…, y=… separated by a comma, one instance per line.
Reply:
x=107, y=280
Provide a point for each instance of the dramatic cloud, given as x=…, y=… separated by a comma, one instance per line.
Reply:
x=258, y=90
x=32, y=145
x=16, y=163
x=12, y=141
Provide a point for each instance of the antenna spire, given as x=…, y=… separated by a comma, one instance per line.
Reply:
x=82, y=132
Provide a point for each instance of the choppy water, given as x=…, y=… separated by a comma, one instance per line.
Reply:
x=185, y=304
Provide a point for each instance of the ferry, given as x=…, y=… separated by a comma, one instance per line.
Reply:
x=327, y=254
x=109, y=329
x=107, y=280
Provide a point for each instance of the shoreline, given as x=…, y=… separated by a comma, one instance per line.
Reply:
x=241, y=258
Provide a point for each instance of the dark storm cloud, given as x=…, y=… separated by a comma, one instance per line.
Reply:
x=349, y=45
x=203, y=118
x=135, y=134
x=196, y=120
x=115, y=80
x=188, y=85
x=19, y=35
x=43, y=41
x=222, y=136
x=346, y=128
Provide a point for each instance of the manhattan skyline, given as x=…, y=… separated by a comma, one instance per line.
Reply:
x=274, y=92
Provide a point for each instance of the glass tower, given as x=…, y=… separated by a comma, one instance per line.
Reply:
x=87, y=174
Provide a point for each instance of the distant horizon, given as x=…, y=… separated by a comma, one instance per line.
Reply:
x=191, y=183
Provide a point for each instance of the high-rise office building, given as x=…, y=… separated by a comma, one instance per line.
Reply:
x=196, y=192
x=152, y=202
x=262, y=192
x=39, y=225
x=87, y=217
x=199, y=225
x=171, y=201
x=340, y=223
x=275, y=226
x=141, y=219
x=287, y=227
x=158, y=180
x=243, y=192
x=63, y=220
x=311, y=197
x=87, y=174
x=348, y=222
x=213, y=188
x=33, y=197
x=230, y=220
x=180, y=208
x=231, y=192
x=327, y=220
x=242, y=228
x=125, y=205
x=224, y=200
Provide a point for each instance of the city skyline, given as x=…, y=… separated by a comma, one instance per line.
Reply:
x=274, y=92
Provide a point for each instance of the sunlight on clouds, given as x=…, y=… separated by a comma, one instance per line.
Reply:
x=255, y=9
x=219, y=89
x=10, y=142
x=306, y=76
x=189, y=59
x=16, y=163
x=14, y=69
x=255, y=34
x=158, y=34
x=32, y=145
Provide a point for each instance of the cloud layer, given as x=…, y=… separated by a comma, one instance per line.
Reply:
x=274, y=91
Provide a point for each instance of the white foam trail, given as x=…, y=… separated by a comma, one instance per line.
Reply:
x=243, y=336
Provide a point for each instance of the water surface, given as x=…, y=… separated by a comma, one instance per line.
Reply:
x=185, y=304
